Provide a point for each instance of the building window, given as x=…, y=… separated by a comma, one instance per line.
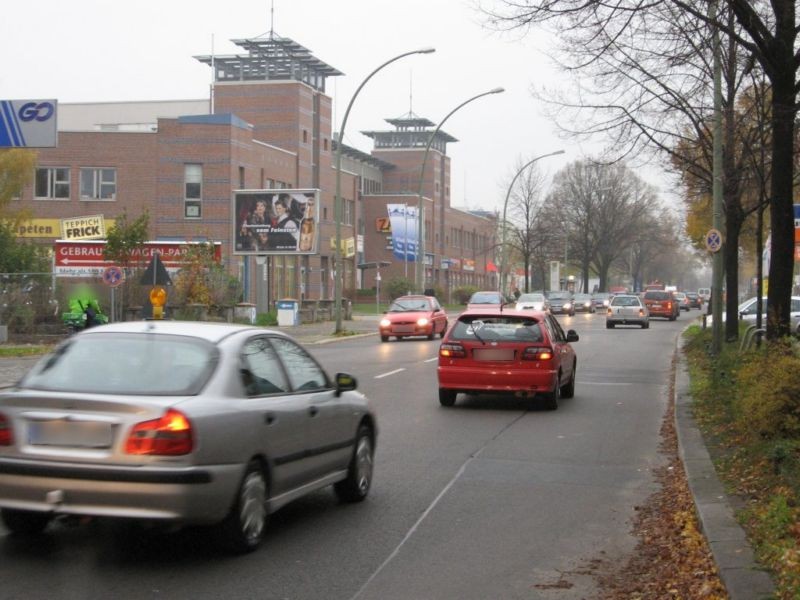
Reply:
x=52, y=182
x=348, y=206
x=193, y=191
x=325, y=144
x=98, y=184
x=305, y=136
x=241, y=178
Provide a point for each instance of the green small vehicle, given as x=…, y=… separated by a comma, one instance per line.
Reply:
x=83, y=313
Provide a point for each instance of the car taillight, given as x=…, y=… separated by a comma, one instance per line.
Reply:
x=6, y=433
x=669, y=305
x=641, y=312
x=452, y=351
x=608, y=312
x=170, y=435
x=534, y=353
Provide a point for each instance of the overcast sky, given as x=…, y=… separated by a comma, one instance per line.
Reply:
x=109, y=50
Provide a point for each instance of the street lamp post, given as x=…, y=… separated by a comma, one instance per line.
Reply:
x=419, y=268
x=337, y=201
x=503, y=250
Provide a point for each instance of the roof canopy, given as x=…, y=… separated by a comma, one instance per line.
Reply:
x=270, y=58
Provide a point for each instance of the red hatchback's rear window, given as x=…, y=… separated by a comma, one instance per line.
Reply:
x=497, y=328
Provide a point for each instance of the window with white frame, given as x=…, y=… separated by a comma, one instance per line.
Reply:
x=192, y=191
x=52, y=183
x=98, y=184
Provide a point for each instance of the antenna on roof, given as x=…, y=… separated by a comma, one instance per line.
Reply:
x=410, y=91
x=272, y=19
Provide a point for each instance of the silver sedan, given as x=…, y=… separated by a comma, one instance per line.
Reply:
x=180, y=422
x=627, y=309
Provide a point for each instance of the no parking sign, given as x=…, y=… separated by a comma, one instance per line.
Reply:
x=113, y=276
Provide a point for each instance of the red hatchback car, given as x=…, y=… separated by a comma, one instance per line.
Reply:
x=410, y=316
x=495, y=351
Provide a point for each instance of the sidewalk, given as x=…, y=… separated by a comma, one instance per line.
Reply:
x=732, y=552
x=324, y=331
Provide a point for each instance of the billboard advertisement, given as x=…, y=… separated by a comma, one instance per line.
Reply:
x=275, y=222
x=28, y=124
x=403, y=221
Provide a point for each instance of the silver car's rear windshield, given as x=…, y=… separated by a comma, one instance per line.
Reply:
x=127, y=364
x=508, y=329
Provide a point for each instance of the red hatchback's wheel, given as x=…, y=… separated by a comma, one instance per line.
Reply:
x=447, y=397
x=551, y=398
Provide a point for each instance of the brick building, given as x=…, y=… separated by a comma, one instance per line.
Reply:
x=267, y=125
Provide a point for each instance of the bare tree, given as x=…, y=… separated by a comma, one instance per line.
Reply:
x=602, y=209
x=766, y=31
x=529, y=234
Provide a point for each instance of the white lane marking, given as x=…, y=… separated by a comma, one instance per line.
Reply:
x=414, y=527
x=389, y=373
x=601, y=382
x=433, y=504
x=432, y=359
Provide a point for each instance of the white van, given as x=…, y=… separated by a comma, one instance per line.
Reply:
x=704, y=293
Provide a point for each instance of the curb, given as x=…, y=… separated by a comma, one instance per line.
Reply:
x=732, y=553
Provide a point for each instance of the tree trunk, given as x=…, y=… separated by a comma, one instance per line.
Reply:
x=730, y=259
x=781, y=268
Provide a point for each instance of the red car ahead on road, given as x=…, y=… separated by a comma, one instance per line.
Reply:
x=413, y=316
x=496, y=351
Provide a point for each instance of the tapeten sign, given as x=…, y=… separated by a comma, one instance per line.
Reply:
x=86, y=258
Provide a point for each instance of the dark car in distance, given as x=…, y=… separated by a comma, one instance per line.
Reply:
x=695, y=301
x=561, y=303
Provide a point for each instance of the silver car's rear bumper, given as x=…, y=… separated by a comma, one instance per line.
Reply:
x=188, y=494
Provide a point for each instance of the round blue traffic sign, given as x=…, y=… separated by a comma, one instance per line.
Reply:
x=713, y=240
x=113, y=276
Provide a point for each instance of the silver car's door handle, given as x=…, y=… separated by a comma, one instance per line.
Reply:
x=313, y=410
x=269, y=418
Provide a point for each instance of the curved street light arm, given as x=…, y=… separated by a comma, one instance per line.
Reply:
x=419, y=268
x=503, y=248
x=337, y=200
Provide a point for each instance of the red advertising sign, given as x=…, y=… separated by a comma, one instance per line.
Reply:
x=85, y=258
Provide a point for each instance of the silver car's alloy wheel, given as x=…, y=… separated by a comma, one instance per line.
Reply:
x=252, y=506
x=243, y=528
x=355, y=487
x=363, y=464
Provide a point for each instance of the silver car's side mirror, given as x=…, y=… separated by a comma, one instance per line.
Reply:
x=345, y=383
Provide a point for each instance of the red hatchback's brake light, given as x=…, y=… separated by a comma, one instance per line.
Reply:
x=6, y=433
x=533, y=353
x=452, y=351
x=171, y=435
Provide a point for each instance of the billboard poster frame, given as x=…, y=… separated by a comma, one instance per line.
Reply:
x=278, y=222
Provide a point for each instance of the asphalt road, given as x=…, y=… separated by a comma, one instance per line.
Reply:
x=493, y=498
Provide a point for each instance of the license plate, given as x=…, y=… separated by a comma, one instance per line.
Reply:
x=656, y=306
x=404, y=328
x=487, y=354
x=70, y=434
